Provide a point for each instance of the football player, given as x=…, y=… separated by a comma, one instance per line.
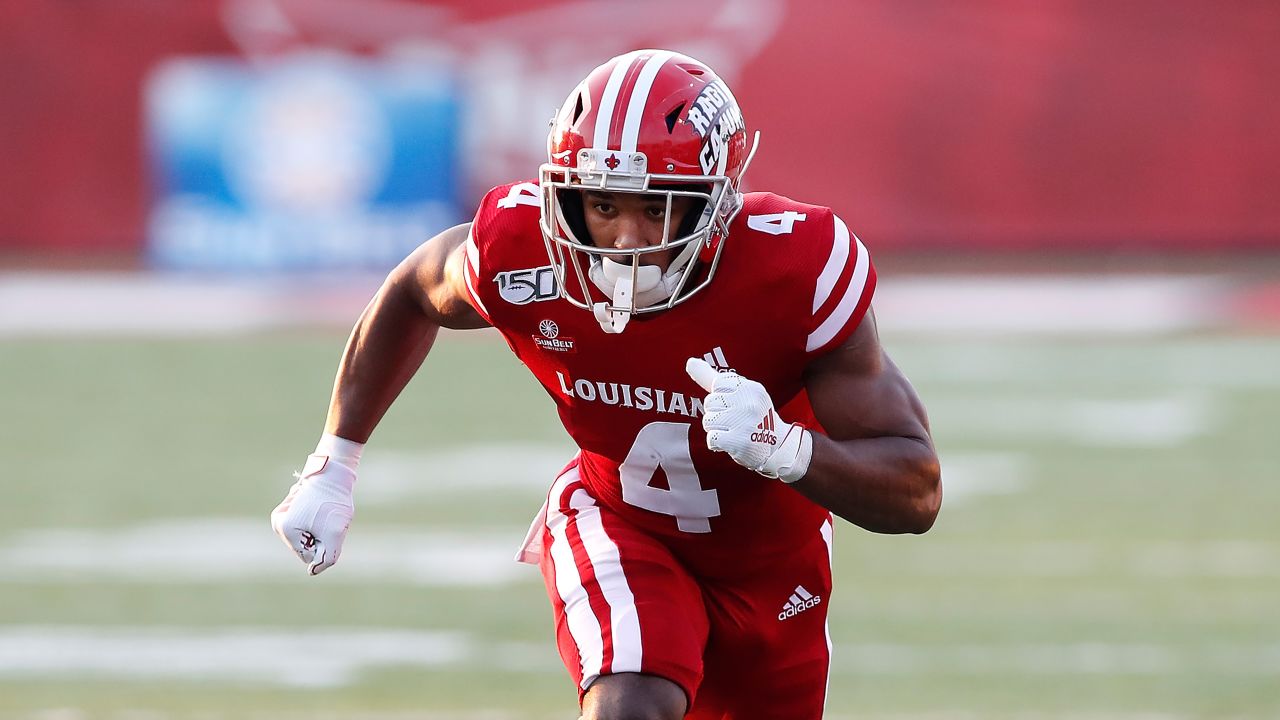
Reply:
x=714, y=356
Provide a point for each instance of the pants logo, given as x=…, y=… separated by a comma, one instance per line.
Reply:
x=799, y=601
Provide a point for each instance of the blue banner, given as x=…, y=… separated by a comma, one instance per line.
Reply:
x=317, y=162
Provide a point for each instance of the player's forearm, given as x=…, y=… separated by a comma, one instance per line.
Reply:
x=386, y=347
x=885, y=485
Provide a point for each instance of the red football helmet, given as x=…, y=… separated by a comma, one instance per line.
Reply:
x=651, y=122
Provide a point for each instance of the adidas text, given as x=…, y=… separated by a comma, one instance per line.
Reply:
x=765, y=433
x=799, y=601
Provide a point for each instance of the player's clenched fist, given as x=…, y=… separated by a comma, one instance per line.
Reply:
x=313, y=518
x=739, y=419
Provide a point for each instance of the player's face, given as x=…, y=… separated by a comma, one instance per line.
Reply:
x=630, y=220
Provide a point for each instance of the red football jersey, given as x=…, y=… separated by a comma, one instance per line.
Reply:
x=792, y=284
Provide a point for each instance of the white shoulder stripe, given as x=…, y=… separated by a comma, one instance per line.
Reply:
x=610, y=98
x=473, y=264
x=471, y=288
x=835, y=265
x=640, y=98
x=848, y=303
x=473, y=255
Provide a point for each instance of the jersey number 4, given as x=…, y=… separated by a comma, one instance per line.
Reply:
x=775, y=223
x=666, y=445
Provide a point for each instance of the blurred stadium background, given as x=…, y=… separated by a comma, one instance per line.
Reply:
x=1073, y=206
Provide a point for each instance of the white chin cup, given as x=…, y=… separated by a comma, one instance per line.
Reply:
x=615, y=280
x=651, y=285
x=606, y=273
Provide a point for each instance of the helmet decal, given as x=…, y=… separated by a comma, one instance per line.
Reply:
x=715, y=116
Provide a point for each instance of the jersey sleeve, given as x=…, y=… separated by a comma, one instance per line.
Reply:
x=472, y=276
x=504, y=213
x=842, y=293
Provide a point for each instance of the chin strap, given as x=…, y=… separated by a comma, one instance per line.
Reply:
x=614, y=321
x=627, y=286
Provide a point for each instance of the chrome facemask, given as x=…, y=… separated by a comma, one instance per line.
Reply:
x=631, y=286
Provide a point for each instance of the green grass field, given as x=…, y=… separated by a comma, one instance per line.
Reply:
x=1109, y=547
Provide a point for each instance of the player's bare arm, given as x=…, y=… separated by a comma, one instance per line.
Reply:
x=389, y=341
x=396, y=330
x=877, y=466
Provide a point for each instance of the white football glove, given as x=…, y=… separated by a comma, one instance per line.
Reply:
x=739, y=418
x=313, y=518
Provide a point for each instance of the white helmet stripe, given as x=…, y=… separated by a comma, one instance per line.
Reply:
x=604, y=116
x=640, y=98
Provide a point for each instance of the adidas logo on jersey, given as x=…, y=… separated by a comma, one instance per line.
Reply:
x=799, y=601
x=715, y=359
x=765, y=431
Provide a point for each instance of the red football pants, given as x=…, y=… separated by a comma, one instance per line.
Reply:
x=754, y=648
